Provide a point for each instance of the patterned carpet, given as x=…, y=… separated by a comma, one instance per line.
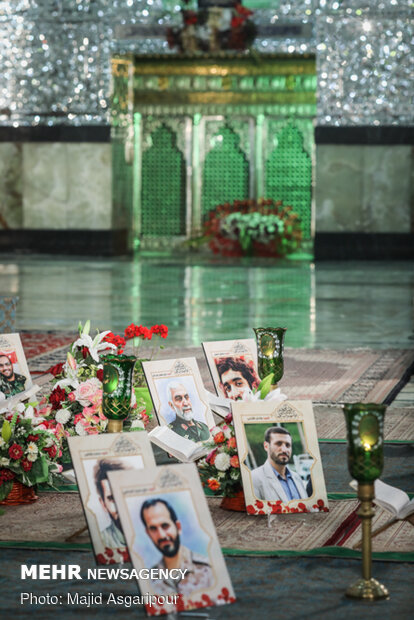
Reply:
x=320, y=375
x=56, y=515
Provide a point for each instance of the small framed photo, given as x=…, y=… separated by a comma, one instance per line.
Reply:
x=14, y=372
x=171, y=538
x=233, y=367
x=94, y=457
x=179, y=397
x=279, y=457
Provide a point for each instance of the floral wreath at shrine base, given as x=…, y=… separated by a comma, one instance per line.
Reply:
x=204, y=601
x=278, y=507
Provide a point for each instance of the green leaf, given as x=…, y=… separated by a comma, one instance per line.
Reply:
x=40, y=470
x=265, y=385
x=86, y=327
x=5, y=489
x=6, y=431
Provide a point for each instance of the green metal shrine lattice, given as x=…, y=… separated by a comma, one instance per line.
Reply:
x=289, y=175
x=163, y=186
x=225, y=171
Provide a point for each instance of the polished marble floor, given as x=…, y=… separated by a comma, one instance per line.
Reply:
x=337, y=305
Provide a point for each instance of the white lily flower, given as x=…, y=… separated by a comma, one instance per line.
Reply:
x=71, y=383
x=274, y=395
x=94, y=345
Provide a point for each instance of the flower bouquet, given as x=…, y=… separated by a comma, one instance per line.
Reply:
x=220, y=470
x=255, y=228
x=28, y=454
x=74, y=406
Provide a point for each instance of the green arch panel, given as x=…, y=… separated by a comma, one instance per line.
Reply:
x=225, y=172
x=163, y=186
x=289, y=175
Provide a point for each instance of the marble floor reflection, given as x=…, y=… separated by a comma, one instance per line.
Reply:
x=337, y=305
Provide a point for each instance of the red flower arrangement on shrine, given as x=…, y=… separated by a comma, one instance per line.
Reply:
x=212, y=29
x=250, y=227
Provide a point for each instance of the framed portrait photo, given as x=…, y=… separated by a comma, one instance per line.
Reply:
x=171, y=536
x=14, y=372
x=179, y=397
x=279, y=457
x=233, y=367
x=94, y=457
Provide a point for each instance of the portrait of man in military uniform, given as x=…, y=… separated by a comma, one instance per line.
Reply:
x=184, y=422
x=165, y=531
x=11, y=382
x=112, y=535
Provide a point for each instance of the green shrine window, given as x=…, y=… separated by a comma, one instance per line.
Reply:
x=209, y=130
x=225, y=171
x=289, y=174
x=163, y=186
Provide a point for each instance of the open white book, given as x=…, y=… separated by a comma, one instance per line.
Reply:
x=183, y=449
x=392, y=499
x=220, y=405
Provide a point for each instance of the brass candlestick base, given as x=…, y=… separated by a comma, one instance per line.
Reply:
x=368, y=590
x=115, y=426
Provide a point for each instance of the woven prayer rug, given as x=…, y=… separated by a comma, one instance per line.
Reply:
x=37, y=343
x=55, y=517
x=398, y=425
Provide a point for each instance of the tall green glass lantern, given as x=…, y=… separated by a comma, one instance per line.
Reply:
x=270, y=346
x=117, y=389
x=365, y=431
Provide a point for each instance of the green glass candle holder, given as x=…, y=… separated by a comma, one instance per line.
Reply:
x=117, y=389
x=365, y=432
x=270, y=346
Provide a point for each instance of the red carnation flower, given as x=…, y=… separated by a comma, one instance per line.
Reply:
x=56, y=369
x=213, y=484
x=219, y=437
x=99, y=374
x=27, y=465
x=57, y=396
x=6, y=475
x=15, y=452
x=33, y=437
x=234, y=461
x=52, y=451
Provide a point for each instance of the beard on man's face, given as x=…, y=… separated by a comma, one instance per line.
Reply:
x=280, y=458
x=186, y=414
x=169, y=546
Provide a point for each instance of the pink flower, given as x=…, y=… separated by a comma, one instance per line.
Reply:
x=71, y=397
x=89, y=415
x=78, y=418
x=43, y=412
x=92, y=430
x=89, y=392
